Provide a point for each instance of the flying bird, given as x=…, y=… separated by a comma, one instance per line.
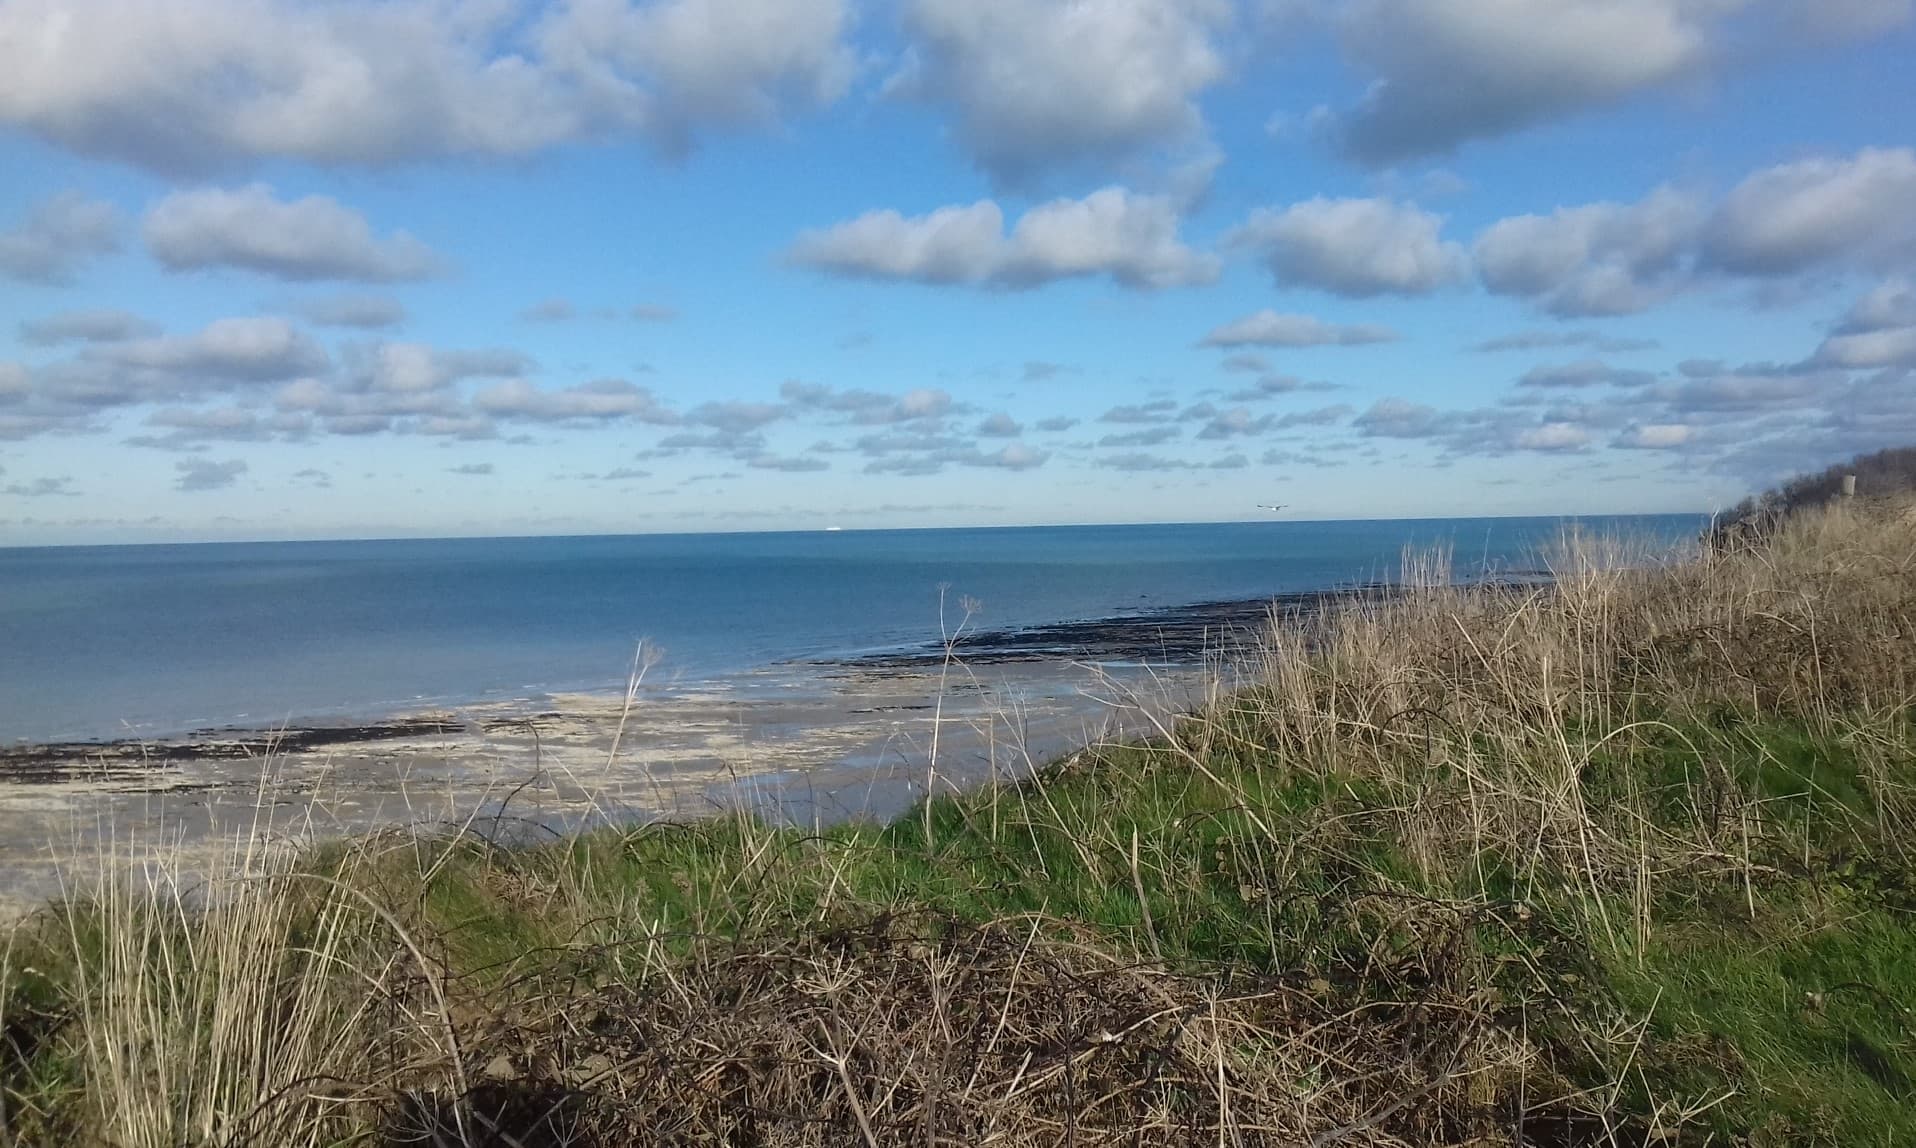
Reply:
x=1278, y=507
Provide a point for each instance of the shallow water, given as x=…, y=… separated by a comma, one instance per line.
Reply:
x=152, y=640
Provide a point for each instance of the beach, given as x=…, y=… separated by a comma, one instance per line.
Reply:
x=801, y=743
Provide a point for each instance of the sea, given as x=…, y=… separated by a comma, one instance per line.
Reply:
x=101, y=642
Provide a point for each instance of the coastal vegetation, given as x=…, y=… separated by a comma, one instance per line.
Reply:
x=1887, y=473
x=1625, y=859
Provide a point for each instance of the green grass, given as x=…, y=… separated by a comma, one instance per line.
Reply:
x=1603, y=866
x=1777, y=997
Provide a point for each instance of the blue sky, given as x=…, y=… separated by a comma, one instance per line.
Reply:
x=272, y=268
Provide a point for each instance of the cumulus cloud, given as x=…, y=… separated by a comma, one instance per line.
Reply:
x=603, y=400
x=1141, y=461
x=869, y=408
x=42, y=488
x=1618, y=258
x=1271, y=329
x=365, y=312
x=59, y=235
x=95, y=326
x=1547, y=340
x=1716, y=388
x=1473, y=432
x=1353, y=247
x=1037, y=86
x=1000, y=425
x=190, y=428
x=414, y=368
x=1552, y=436
x=787, y=463
x=1449, y=71
x=301, y=240
x=1655, y=436
x=14, y=383
x=1155, y=411
x=1235, y=423
x=1879, y=331
x=1792, y=217
x=1399, y=418
x=1113, y=232
x=921, y=454
x=242, y=350
x=1149, y=436
x=194, y=85
x=1597, y=259
x=196, y=474
x=1317, y=417
x=1584, y=373
x=1274, y=385
x=1016, y=456
x=733, y=417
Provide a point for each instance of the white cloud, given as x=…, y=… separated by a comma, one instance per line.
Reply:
x=1131, y=238
x=870, y=408
x=1891, y=347
x=1235, y=423
x=671, y=67
x=14, y=383
x=1891, y=303
x=604, y=400
x=1016, y=456
x=1450, y=71
x=1553, y=436
x=793, y=464
x=733, y=417
x=98, y=326
x=191, y=85
x=1399, y=418
x=1597, y=259
x=415, y=368
x=1000, y=425
x=1353, y=247
x=58, y=235
x=197, y=474
x=1037, y=85
x=248, y=350
x=367, y=312
x=1796, y=216
x=1584, y=373
x=1272, y=329
x=300, y=240
x=1540, y=340
x=1879, y=331
x=1655, y=436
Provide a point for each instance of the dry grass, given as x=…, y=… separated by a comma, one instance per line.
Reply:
x=1625, y=859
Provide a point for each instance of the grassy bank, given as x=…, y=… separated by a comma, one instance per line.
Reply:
x=1628, y=861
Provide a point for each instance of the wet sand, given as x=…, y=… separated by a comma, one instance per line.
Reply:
x=804, y=743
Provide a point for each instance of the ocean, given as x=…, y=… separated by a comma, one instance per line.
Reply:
x=121, y=641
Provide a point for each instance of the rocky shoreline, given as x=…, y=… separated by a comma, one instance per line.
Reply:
x=1176, y=635
x=1172, y=636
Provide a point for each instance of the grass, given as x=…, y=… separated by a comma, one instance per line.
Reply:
x=1624, y=861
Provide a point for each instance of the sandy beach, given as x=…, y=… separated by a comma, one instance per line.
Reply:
x=799, y=742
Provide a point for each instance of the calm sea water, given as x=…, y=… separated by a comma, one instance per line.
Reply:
x=111, y=641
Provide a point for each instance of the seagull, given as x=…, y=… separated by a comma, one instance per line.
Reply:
x=1273, y=509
